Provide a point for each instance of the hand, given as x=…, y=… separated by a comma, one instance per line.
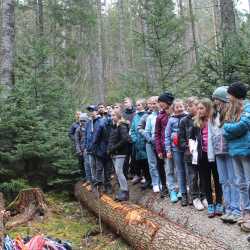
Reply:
x=160, y=155
x=169, y=155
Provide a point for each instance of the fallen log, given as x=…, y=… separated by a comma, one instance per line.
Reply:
x=142, y=228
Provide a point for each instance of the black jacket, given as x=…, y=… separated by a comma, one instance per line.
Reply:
x=195, y=134
x=128, y=114
x=185, y=128
x=119, y=139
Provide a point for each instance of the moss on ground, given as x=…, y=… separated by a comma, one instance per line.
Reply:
x=68, y=221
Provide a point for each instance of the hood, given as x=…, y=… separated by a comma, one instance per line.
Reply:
x=129, y=111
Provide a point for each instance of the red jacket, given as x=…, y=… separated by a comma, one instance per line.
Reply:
x=161, y=123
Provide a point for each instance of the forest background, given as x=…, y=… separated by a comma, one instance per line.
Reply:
x=59, y=55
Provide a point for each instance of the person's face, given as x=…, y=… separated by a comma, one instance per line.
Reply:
x=192, y=108
x=149, y=105
x=77, y=115
x=127, y=104
x=217, y=104
x=117, y=108
x=114, y=117
x=139, y=106
x=101, y=109
x=93, y=114
x=179, y=108
x=202, y=111
x=82, y=123
x=164, y=105
x=154, y=105
x=109, y=109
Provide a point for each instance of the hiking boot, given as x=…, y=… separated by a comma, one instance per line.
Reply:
x=122, y=196
x=146, y=185
x=135, y=180
x=219, y=209
x=233, y=218
x=225, y=217
x=173, y=197
x=164, y=192
x=156, y=189
x=211, y=211
x=108, y=189
x=245, y=226
x=197, y=204
x=184, y=200
x=204, y=203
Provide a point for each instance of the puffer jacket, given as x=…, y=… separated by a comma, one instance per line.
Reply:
x=171, y=131
x=160, y=126
x=237, y=134
x=118, y=139
x=142, y=124
x=185, y=128
x=149, y=133
x=217, y=144
x=138, y=140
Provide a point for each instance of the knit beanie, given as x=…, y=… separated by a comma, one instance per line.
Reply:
x=221, y=94
x=166, y=97
x=237, y=90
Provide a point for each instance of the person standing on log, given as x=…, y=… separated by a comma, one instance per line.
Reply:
x=186, y=125
x=118, y=149
x=237, y=134
x=74, y=126
x=206, y=163
x=139, y=144
x=175, y=152
x=79, y=142
x=165, y=101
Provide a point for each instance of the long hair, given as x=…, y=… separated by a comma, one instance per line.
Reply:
x=200, y=121
x=121, y=119
x=234, y=111
x=221, y=110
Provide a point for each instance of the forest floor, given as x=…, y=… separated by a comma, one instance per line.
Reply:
x=67, y=220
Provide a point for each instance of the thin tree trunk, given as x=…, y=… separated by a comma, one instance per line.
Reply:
x=227, y=17
x=8, y=46
x=216, y=22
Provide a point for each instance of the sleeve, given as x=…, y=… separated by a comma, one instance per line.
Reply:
x=236, y=129
x=148, y=129
x=210, y=149
x=168, y=136
x=158, y=136
x=182, y=135
x=77, y=141
x=141, y=125
x=133, y=131
x=71, y=133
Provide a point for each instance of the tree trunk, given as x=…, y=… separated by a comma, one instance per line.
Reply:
x=227, y=17
x=2, y=228
x=216, y=22
x=8, y=46
x=141, y=228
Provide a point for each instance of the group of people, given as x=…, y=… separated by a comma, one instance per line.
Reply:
x=196, y=151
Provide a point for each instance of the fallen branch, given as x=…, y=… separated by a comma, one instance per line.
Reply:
x=142, y=228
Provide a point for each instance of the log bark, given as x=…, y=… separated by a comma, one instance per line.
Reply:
x=141, y=228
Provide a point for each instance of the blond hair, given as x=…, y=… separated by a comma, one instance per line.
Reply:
x=121, y=119
x=200, y=121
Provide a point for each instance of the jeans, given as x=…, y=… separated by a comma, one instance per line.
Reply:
x=242, y=172
x=228, y=183
x=206, y=169
x=103, y=171
x=152, y=162
x=169, y=169
x=162, y=172
x=88, y=163
x=118, y=162
x=180, y=171
x=192, y=176
x=81, y=165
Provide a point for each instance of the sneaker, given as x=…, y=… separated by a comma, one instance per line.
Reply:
x=245, y=226
x=210, y=211
x=197, y=204
x=225, y=217
x=143, y=180
x=135, y=180
x=173, y=197
x=179, y=196
x=156, y=189
x=184, y=200
x=233, y=218
x=204, y=202
x=219, y=209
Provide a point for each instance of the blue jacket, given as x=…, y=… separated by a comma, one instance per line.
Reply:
x=237, y=134
x=138, y=140
x=96, y=137
x=172, y=130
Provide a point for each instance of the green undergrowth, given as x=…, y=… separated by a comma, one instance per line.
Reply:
x=66, y=220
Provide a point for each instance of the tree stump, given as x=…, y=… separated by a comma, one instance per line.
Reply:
x=26, y=206
x=141, y=228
